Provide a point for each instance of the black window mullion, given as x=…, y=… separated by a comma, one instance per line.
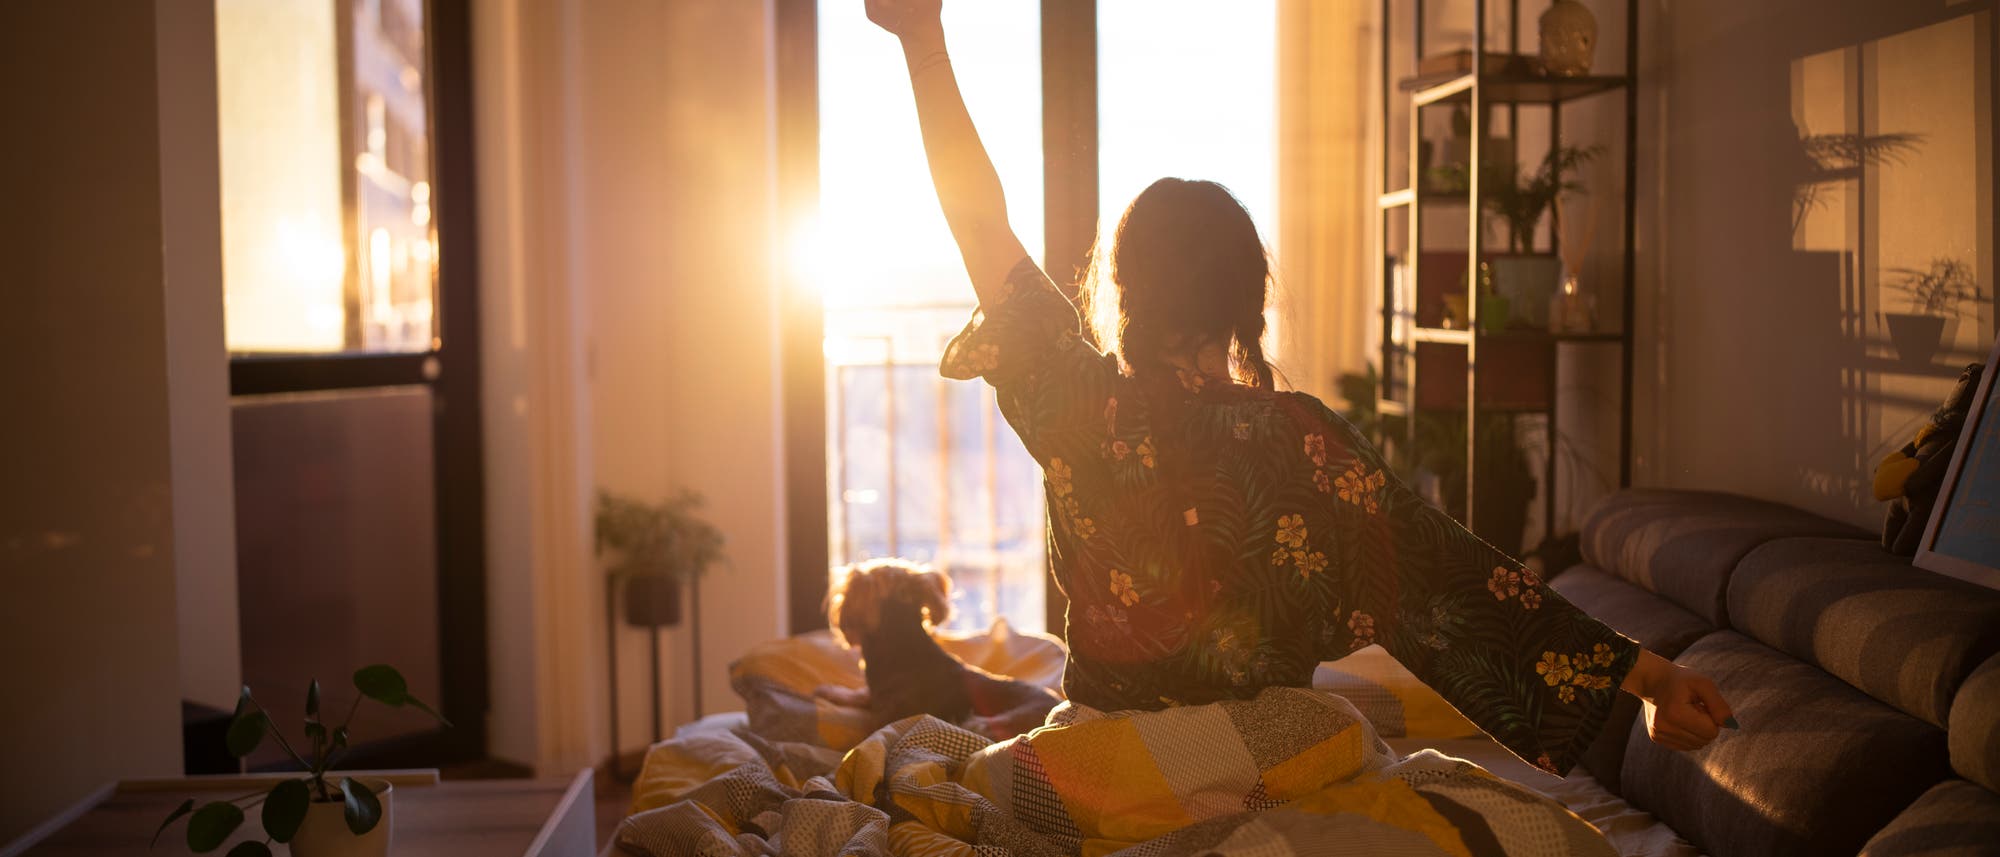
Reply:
x=252, y=375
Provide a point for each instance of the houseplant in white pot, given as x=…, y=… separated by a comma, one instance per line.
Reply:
x=1526, y=278
x=1935, y=293
x=314, y=814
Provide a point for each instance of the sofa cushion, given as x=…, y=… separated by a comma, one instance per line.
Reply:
x=1954, y=819
x=1903, y=635
x=1658, y=624
x=1975, y=727
x=1684, y=544
x=1818, y=767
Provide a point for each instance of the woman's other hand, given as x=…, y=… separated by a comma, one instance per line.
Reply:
x=1684, y=711
x=906, y=18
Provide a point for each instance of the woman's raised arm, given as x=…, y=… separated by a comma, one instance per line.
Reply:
x=968, y=188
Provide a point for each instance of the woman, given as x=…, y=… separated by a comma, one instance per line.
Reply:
x=1215, y=536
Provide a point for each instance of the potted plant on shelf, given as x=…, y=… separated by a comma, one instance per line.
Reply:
x=312, y=814
x=1527, y=279
x=654, y=550
x=1935, y=294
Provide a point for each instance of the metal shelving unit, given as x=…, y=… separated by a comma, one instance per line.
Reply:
x=1405, y=343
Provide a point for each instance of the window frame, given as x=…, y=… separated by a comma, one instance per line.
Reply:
x=1069, y=176
x=451, y=370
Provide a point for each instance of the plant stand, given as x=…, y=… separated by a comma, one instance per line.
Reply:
x=611, y=589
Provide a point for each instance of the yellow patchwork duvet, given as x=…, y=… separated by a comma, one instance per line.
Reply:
x=1292, y=771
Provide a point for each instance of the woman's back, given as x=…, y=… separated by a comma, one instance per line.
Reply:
x=1215, y=539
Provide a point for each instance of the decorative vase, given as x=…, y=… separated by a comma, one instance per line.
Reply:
x=1569, y=38
x=324, y=832
x=1496, y=313
x=653, y=601
x=1917, y=338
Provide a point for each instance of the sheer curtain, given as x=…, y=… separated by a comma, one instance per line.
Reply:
x=1328, y=142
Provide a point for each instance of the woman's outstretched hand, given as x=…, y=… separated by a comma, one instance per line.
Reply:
x=1684, y=711
x=906, y=18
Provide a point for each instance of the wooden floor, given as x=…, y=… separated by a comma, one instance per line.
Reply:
x=614, y=799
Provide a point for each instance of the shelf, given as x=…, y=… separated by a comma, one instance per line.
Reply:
x=1432, y=370
x=1446, y=335
x=1399, y=198
x=1555, y=337
x=1455, y=336
x=1508, y=89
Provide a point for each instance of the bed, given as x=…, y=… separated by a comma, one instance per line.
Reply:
x=1378, y=764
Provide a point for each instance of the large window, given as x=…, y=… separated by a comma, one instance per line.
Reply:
x=328, y=244
x=920, y=467
x=1188, y=88
x=923, y=468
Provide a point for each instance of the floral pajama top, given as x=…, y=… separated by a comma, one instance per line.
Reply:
x=1214, y=540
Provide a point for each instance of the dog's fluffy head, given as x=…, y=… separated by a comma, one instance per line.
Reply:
x=854, y=603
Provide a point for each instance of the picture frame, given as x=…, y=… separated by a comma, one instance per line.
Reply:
x=1962, y=539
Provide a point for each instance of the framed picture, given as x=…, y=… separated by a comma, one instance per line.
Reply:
x=1963, y=536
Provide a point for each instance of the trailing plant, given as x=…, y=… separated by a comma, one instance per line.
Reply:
x=1521, y=200
x=284, y=805
x=1939, y=289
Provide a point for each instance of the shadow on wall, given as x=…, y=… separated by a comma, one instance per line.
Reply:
x=1825, y=225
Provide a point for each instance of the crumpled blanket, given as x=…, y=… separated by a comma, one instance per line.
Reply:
x=776, y=679
x=1292, y=771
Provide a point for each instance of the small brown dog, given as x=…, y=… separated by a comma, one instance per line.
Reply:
x=887, y=608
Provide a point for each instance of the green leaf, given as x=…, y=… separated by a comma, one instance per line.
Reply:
x=242, y=701
x=187, y=806
x=312, y=704
x=383, y=684
x=339, y=739
x=212, y=824
x=426, y=709
x=245, y=733
x=364, y=810
x=285, y=809
x=316, y=731
x=250, y=848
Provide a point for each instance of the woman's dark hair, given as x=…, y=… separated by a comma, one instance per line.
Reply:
x=1184, y=269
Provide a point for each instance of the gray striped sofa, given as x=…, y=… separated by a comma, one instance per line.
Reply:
x=1868, y=689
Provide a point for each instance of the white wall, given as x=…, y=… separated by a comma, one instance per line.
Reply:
x=675, y=224
x=87, y=550
x=628, y=217
x=1765, y=367
x=197, y=360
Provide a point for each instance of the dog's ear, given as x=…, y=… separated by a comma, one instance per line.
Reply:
x=936, y=587
x=852, y=607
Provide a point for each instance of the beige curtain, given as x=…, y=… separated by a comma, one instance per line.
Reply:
x=1327, y=142
x=544, y=615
